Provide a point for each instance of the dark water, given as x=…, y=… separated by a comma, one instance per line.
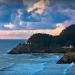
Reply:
x=6, y=45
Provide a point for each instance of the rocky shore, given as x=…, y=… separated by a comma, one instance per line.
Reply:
x=69, y=57
x=45, y=43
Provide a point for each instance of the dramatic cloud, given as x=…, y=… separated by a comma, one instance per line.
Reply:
x=39, y=5
x=36, y=14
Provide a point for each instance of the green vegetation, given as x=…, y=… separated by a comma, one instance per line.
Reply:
x=44, y=43
x=40, y=42
x=67, y=36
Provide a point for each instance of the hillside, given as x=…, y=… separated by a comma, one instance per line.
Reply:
x=45, y=43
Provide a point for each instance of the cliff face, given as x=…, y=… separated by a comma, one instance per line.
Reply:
x=37, y=43
x=67, y=37
x=44, y=43
x=19, y=49
x=25, y=48
x=68, y=57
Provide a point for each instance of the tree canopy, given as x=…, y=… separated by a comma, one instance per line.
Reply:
x=40, y=41
x=68, y=35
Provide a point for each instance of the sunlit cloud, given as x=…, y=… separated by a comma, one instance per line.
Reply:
x=25, y=34
x=58, y=29
x=37, y=14
x=40, y=5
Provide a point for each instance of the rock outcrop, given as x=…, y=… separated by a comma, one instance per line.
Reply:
x=21, y=48
x=45, y=43
x=68, y=57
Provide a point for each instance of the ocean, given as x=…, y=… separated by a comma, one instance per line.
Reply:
x=6, y=45
x=30, y=64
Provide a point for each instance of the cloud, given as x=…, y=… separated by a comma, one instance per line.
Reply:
x=12, y=4
x=58, y=17
x=62, y=4
x=7, y=7
x=5, y=14
x=25, y=34
x=40, y=5
x=9, y=26
x=29, y=16
x=36, y=14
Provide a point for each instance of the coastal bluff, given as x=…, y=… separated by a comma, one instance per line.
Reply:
x=45, y=43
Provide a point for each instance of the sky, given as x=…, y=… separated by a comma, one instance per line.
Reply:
x=35, y=14
x=53, y=15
